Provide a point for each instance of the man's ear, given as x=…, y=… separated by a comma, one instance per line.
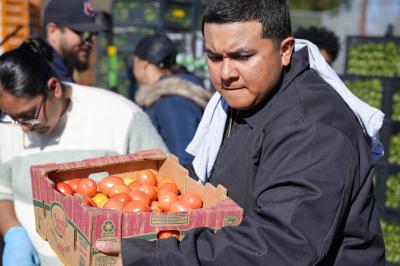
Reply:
x=287, y=50
x=55, y=87
x=52, y=31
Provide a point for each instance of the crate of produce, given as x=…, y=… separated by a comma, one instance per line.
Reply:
x=373, y=56
x=72, y=223
x=180, y=15
x=391, y=235
x=390, y=136
x=137, y=13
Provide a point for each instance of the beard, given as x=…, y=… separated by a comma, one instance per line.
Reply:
x=72, y=60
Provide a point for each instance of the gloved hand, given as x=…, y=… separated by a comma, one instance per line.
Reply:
x=18, y=248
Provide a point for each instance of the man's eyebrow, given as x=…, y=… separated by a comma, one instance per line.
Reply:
x=237, y=52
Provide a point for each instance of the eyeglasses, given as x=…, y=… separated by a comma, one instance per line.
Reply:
x=30, y=122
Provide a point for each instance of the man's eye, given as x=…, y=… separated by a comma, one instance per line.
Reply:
x=214, y=58
x=243, y=57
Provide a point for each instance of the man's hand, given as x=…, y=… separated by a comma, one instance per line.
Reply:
x=111, y=248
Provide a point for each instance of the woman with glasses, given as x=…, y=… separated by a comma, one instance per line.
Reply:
x=49, y=121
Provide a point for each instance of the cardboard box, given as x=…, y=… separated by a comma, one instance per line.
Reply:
x=72, y=228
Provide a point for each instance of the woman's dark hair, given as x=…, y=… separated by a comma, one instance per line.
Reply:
x=322, y=38
x=24, y=72
x=272, y=14
x=158, y=49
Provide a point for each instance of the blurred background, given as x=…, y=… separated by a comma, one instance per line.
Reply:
x=368, y=33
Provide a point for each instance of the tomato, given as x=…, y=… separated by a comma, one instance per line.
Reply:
x=122, y=197
x=155, y=206
x=140, y=195
x=128, y=180
x=73, y=183
x=113, y=204
x=100, y=199
x=64, y=188
x=166, y=199
x=136, y=206
x=168, y=233
x=146, y=177
x=119, y=189
x=87, y=187
x=134, y=185
x=192, y=199
x=165, y=180
x=168, y=187
x=179, y=206
x=108, y=182
x=87, y=201
x=149, y=190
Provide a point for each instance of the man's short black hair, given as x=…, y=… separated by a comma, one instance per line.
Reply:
x=272, y=14
x=321, y=37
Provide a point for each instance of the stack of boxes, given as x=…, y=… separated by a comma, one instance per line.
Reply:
x=18, y=20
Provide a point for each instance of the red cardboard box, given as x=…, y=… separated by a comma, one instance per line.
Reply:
x=72, y=228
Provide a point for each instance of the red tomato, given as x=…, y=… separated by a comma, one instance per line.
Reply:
x=64, y=188
x=113, y=204
x=149, y=190
x=73, y=183
x=146, y=177
x=122, y=197
x=87, y=187
x=140, y=195
x=164, y=180
x=134, y=185
x=155, y=206
x=168, y=187
x=166, y=199
x=136, y=206
x=179, y=206
x=119, y=189
x=192, y=199
x=108, y=182
x=87, y=201
x=168, y=233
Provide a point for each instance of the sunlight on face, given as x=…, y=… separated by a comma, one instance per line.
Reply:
x=243, y=66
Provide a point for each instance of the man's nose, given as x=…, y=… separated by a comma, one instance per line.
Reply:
x=228, y=70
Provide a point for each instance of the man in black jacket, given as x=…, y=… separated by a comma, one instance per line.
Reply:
x=293, y=155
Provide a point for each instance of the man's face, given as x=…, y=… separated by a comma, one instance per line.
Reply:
x=75, y=51
x=44, y=108
x=243, y=66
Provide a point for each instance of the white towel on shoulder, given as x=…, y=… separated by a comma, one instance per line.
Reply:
x=208, y=138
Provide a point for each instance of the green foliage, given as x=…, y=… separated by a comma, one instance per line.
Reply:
x=315, y=5
x=396, y=106
x=391, y=235
x=374, y=59
x=394, y=149
x=368, y=90
x=393, y=191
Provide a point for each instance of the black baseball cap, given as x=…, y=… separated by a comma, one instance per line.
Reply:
x=78, y=15
x=158, y=49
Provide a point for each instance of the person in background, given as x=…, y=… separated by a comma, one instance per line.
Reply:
x=289, y=151
x=174, y=99
x=69, y=28
x=49, y=121
x=324, y=39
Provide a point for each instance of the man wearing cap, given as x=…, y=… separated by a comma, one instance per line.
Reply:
x=69, y=27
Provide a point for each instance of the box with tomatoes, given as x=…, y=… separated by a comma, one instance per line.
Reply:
x=146, y=195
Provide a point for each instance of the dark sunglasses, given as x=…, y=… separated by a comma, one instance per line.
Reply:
x=85, y=36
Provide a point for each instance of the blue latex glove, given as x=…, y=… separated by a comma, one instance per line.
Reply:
x=18, y=248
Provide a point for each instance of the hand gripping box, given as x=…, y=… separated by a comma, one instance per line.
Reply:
x=71, y=228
